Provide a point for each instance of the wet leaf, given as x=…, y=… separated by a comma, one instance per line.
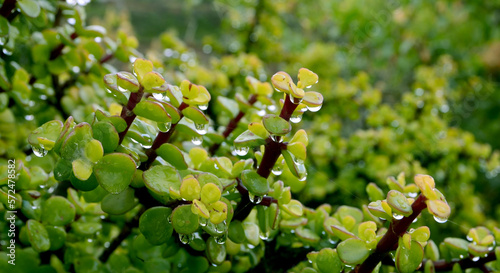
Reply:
x=114, y=172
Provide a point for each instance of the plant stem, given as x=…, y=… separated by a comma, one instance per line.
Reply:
x=127, y=111
x=272, y=152
x=161, y=138
x=7, y=8
x=389, y=242
x=56, y=52
x=232, y=125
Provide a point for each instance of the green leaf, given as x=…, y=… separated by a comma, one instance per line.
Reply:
x=152, y=110
x=256, y=184
x=183, y=220
x=276, y=125
x=281, y=81
x=160, y=178
x=82, y=169
x=141, y=67
x=117, y=204
x=73, y=146
x=210, y=193
x=328, y=261
x=293, y=207
x=306, y=78
x=298, y=150
x=57, y=237
x=58, y=211
x=4, y=27
x=94, y=150
x=152, y=79
x=154, y=225
x=399, y=203
x=439, y=209
x=409, y=259
x=195, y=114
x=236, y=232
x=84, y=185
x=258, y=129
x=38, y=236
x=216, y=253
x=114, y=172
x=458, y=247
x=106, y=133
x=172, y=111
x=190, y=188
x=374, y=192
x=228, y=105
x=45, y=136
x=300, y=136
x=29, y=8
x=111, y=82
x=353, y=251
x=127, y=81
x=172, y=155
x=313, y=100
x=249, y=139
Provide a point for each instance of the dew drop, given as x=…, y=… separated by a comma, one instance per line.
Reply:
x=313, y=109
x=158, y=96
x=221, y=239
x=165, y=127
x=397, y=216
x=276, y=138
x=261, y=113
x=184, y=238
x=201, y=128
x=277, y=170
x=39, y=151
x=170, y=219
x=121, y=89
x=203, y=221
x=265, y=235
x=301, y=170
x=440, y=220
x=196, y=140
x=241, y=151
x=475, y=259
x=469, y=238
x=220, y=227
x=256, y=199
x=203, y=107
x=271, y=108
x=295, y=100
x=412, y=194
x=6, y=52
x=296, y=118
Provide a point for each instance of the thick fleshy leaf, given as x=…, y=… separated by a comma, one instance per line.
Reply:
x=152, y=110
x=74, y=145
x=57, y=237
x=82, y=169
x=229, y=105
x=183, y=220
x=306, y=78
x=249, y=139
x=172, y=155
x=438, y=208
x=154, y=225
x=58, y=211
x=399, y=203
x=160, y=178
x=218, y=212
x=195, y=114
x=84, y=185
x=117, y=204
x=190, y=188
x=255, y=183
x=198, y=155
x=300, y=136
x=45, y=136
x=141, y=67
x=293, y=207
x=258, y=129
x=328, y=261
x=114, y=172
x=38, y=236
x=458, y=247
x=210, y=193
x=172, y=111
x=426, y=185
x=189, y=90
x=313, y=100
x=94, y=150
x=276, y=125
x=152, y=79
x=111, y=81
x=216, y=253
x=29, y=7
x=92, y=31
x=353, y=251
x=281, y=81
x=409, y=259
x=106, y=133
x=296, y=166
x=127, y=81
x=298, y=150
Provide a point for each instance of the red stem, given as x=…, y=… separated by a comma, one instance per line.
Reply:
x=128, y=111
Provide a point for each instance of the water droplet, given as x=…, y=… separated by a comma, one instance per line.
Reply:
x=201, y=128
x=169, y=219
x=475, y=259
x=412, y=194
x=165, y=127
x=220, y=227
x=469, y=238
x=39, y=151
x=197, y=140
x=203, y=107
x=241, y=151
x=397, y=216
x=301, y=170
x=295, y=100
x=313, y=109
x=203, y=221
x=221, y=239
x=184, y=238
x=123, y=90
x=298, y=161
x=271, y=108
x=440, y=220
x=158, y=96
x=461, y=256
x=265, y=235
x=296, y=118
x=6, y=52
x=276, y=138
x=415, y=220
x=256, y=199
x=277, y=170
x=261, y=113
x=146, y=146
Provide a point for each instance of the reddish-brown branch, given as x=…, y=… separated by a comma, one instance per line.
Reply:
x=127, y=112
x=232, y=125
x=161, y=138
x=272, y=152
x=56, y=52
x=389, y=242
x=7, y=8
x=242, y=212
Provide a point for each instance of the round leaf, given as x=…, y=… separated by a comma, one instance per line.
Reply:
x=183, y=220
x=58, y=211
x=276, y=125
x=38, y=236
x=353, y=251
x=117, y=204
x=160, y=178
x=114, y=172
x=152, y=110
x=255, y=183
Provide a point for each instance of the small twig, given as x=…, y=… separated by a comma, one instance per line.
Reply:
x=56, y=52
x=128, y=111
x=232, y=125
x=6, y=9
x=390, y=240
